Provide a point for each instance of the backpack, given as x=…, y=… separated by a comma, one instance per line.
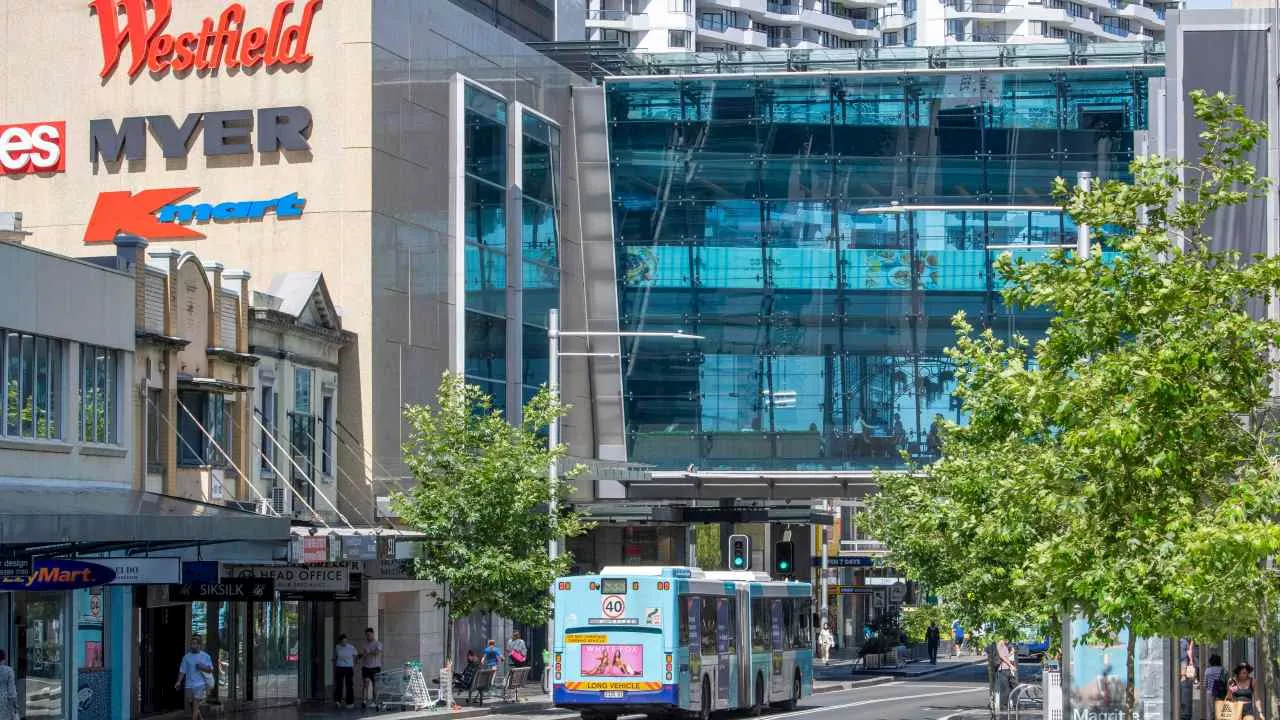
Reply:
x=1220, y=687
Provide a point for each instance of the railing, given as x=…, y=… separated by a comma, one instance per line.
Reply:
x=1115, y=29
x=713, y=24
x=981, y=37
x=783, y=8
x=607, y=15
x=862, y=24
x=976, y=7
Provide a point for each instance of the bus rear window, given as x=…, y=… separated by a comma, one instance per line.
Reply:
x=613, y=586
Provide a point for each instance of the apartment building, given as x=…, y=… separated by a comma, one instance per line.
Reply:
x=734, y=25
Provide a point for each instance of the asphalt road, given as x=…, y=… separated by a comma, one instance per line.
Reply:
x=929, y=698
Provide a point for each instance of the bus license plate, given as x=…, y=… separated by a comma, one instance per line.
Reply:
x=610, y=694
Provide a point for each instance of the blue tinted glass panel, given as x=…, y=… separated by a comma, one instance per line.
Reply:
x=486, y=355
x=486, y=276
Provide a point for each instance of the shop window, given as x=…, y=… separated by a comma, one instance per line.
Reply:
x=202, y=429
x=32, y=401
x=42, y=649
x=99, y=380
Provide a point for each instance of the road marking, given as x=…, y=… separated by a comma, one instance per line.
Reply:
x=875, y=701
x=954, y=715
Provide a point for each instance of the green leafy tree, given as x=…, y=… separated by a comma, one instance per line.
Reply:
x=1121, y=468
x=707, y=546
x=916, y=620
x=482, y=498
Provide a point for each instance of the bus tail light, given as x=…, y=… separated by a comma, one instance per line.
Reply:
x=594, y=586
x=668, y=667
x=664, y=585
x=564, y=586
x=558, y=666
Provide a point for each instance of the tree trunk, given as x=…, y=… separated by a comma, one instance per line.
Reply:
x=1130, y=686
x=1269, y=660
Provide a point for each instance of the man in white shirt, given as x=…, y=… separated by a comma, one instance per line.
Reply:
x=191, y=676
x=370, y=666
x=344, y=673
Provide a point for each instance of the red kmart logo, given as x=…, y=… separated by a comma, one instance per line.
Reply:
x=157, y=215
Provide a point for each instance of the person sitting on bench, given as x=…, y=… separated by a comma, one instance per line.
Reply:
x=462, y=680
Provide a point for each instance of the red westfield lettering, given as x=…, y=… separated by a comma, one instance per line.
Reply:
x=134, y=213
x=224, y=42
x=33, y=148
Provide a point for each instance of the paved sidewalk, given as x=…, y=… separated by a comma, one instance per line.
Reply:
x=840, y=669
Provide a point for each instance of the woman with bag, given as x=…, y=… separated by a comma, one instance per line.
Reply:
x=519, y=651
x=1241, y=691
x=8, y=690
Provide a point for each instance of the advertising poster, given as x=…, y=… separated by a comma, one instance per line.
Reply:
x=1099, y=677
x=612, y=660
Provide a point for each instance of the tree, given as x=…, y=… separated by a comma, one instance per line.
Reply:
x=710, y=555
x=1120, y=468
x=481, y=500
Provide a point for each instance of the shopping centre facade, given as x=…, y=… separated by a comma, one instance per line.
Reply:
x=816, y=218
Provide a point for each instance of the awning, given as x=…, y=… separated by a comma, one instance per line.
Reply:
x=752, y=484
x=58, y=516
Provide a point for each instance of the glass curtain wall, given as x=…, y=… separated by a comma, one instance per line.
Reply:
x=760, y=213
x=486, y=241
x=539, y=243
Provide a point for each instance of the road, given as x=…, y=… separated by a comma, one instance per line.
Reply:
x=927, y=698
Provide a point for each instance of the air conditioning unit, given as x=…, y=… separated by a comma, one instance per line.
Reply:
x=278, y=500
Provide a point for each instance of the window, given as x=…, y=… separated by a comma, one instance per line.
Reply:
x=99, y=370
x=712, y=21
x=154, y=462
x=680, y=6
x=1074, y=37
x=726, y=625
x=326, y=441
x=889, y=38
x=909, y=36
x=678, y=38
x=32, y=367
x=804, y=624
x=267, y=447
x=708, y=629
x=788, y=623
x=302, y=390
x=202, y=429
x=690, y=616
x=622, y=37
x=909, y=8
x=759, y=625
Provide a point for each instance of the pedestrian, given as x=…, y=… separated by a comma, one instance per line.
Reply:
x=491, y=655
x=8, y=690
x=192, y=677
x=370, y=666
x=1241, y=690
x=957, y=637
x=1006, y=672
x=932, y=638
x=825, y=641
x=1215, y=683
x=344, y=673
x=517, y=650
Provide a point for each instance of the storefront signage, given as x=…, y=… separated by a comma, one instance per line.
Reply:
x=351, y=592
x=296, y=578
x=153, y=214
x=15, y=569
x=201, y=571
x=313, y=549
x=359, y=547
x=60, y=575
x=844, y=561
x=234, y=589
x=390, y=569
x=227, y=132
x=33, y=148
x=143, y=571
x=225, y=42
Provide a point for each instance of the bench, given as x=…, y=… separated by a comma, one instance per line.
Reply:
x=516, y=678
x=480, y=684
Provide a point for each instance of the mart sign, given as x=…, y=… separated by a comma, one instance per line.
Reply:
x=157, y=214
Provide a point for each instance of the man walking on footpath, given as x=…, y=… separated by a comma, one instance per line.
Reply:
x=825, y=641
x=191, y=676
x=932, y=637
x=344, y=673
x=370, y=666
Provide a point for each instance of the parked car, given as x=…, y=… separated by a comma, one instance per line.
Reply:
x=1033, y=649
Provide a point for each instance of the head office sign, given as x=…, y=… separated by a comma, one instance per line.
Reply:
x=297, y=578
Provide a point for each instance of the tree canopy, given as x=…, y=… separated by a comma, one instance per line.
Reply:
x=482, y=498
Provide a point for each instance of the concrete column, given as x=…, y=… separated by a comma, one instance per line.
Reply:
x=215, y=304
x=242, y=443
x=169, y=371
x=131, y=258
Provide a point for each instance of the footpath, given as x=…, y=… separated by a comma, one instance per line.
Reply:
x=840, y=674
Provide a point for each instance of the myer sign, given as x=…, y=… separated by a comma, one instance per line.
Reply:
x=296, y=578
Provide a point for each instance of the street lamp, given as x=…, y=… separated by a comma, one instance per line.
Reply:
x=554, y=333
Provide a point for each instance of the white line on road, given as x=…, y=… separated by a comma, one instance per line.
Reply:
x=874, y=701
x=954, y=715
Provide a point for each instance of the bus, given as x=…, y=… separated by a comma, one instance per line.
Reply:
x=673, y=640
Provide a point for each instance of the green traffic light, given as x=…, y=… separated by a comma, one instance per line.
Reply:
x=784, y=565
x=737, y=561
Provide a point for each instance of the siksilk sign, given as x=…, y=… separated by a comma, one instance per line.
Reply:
x=226, y=42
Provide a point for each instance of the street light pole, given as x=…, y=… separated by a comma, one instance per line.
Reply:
x=1084, y=180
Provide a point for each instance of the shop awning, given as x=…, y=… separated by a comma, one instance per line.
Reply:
x=59, y=516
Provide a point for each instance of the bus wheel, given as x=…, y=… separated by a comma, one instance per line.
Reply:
x=758, y=707
x=705, y=712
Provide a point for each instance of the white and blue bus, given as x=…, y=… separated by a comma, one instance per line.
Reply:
x=673, y=640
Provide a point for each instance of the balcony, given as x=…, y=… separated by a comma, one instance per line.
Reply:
x=981, y=36
x=713, y=31
x=781, y=8
x=849, y=27
x=748, y=6
x=607, y=15
x=1137, y=11
x=617, y=20
x=970, y=7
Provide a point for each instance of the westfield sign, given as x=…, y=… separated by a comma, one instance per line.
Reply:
x=226, y=41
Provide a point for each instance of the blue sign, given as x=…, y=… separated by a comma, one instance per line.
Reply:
x=201, y=571
x=60, y=575
x=844, y=561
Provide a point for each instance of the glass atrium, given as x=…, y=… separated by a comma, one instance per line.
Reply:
x=820, y=230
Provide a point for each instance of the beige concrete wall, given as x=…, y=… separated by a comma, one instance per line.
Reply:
x=53, y=55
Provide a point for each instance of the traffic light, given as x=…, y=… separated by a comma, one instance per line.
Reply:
x=739, y=552
x=784, y=558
